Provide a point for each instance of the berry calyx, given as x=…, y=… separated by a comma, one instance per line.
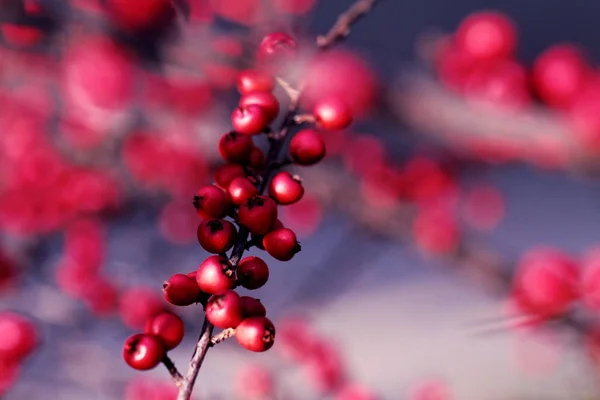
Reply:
x=332, y=114
x=252, y=272
x=168, y=327
x=216, y=235
x=181, y=290
x=143, y=351
x=252, y=80
x=241, y=190
x=286, y=189
x=225, y=310
x=211, y=202
x=214, y=275
x=307, y=147
x=256, y=334
x=258, y=214
x=235, y=148
x=250, y=120
x=281, y=244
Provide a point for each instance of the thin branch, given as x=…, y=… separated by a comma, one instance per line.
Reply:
x=187, y=385
x=226, y=334
x=341, y=29
x=168, y=363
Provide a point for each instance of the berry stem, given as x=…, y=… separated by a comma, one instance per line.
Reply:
x=226, y=334
x=177, y=377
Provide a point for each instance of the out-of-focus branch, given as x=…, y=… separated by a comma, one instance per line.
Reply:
x=342, y=26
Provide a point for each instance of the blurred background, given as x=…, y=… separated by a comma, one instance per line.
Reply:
x=414, y=229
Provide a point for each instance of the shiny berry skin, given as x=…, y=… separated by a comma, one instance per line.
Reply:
x=258, y=214
x=252, y=272
x=143, y=351
x=212, y=202
x=19, y=337
x=250, y=120
x=275, y=48
x=266, y=100
x=307, y=147
x=213, y=277
x=181, y=290
x=252, y=80
x=257, y=240
x=546, y=282
x=256, y=334
x=332, y=114
x=225, y=310
x=559, y=74
x=281, y=244
x=286, y=189
x=235, y=148
x=216, y=235
x=226, y=173
x=168, y=327
x=241, y=190
x=253, y=307
x=487, y=35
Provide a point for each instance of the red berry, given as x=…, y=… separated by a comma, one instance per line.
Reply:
x=212, y=202
x=332, y=113
x=307, y=147
x=486, y=35
x=590, y=280
x=241, y=190
x=560, y=74
x=257, y=159
x=251, y=80
x=256, y=334
x=250, y=120
x=546, y=282
x=181, y=290
x=235, y=148
x=213, y=275
x=266, y=100
x=252, y=272
x=225, y=310
x=216, y=235
x=139, y=14
x=18, y=337
x=253, y=307
x=255, y=382
x=258, y=214
x=168, y=327
x=143, y=351
x=286, y=189
x=226, y=173
x=281, y=244
x=276, y=48
x=257, y=240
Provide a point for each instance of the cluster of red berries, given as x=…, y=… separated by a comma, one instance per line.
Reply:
x=548, y=282
x=235, y=209
x=478, y=60
x=19, y=339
